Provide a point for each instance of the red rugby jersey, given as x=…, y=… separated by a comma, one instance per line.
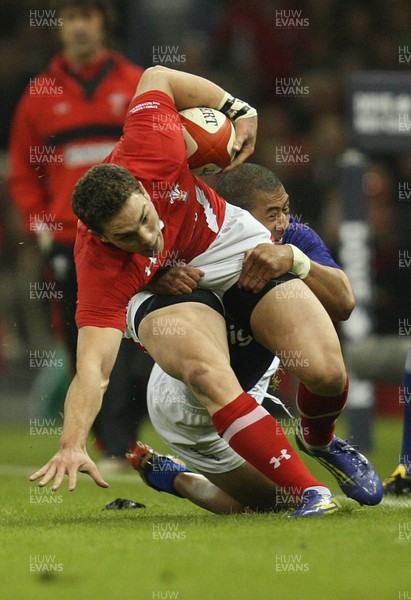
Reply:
x=153, y=150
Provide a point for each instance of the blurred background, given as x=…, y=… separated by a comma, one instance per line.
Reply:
x=295, y=62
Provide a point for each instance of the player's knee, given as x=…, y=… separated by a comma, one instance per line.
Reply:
x=198, y=376
x=204, y=380
x=329, y=380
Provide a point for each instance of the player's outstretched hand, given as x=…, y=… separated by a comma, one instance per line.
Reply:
x=68, y=462
x=176, y=280
x=246, y=135
x=264, y=262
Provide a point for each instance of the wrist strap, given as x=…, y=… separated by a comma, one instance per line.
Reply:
x=301, y=263
x=235, y=109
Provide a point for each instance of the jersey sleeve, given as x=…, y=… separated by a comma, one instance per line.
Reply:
x=106, y=280
x=306, y=239
x=152, y=140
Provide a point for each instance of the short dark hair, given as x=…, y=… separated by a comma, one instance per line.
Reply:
x=106, y=8
x=101, y=194
x=239, y=185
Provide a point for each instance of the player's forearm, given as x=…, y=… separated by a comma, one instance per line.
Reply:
x=97, y=350
x=186, y=89
x=82, y=405
x=332, y=287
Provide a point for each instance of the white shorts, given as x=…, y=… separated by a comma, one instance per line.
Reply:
x=221, y=262
x=186, y=426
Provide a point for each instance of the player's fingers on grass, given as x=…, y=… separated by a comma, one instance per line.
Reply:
x=39, y=473
x=94, y=473
x=58, y=477
x=48, y=476
x=72, y=473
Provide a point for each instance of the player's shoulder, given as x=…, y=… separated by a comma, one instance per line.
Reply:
x=298, y=227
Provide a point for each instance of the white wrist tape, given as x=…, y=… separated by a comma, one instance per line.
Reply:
x=235, y=109
x=301, y=263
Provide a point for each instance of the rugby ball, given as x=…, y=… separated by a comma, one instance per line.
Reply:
x=209, y=136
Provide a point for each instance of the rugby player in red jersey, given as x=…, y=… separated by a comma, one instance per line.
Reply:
x=128, y=230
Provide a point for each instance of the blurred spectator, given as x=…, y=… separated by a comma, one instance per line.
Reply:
x=392, y=284
x=257, y=43
x=69, y=118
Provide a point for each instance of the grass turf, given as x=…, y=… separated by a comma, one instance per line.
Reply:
x=66, y=546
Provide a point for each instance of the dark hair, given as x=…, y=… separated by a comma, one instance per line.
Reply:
x=239, y=185
x=104, y=6
x=101, y=194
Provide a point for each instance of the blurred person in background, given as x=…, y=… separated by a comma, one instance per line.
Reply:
x=68, y=119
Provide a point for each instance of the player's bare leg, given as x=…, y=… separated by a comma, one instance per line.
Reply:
x=290, y=320
x=192, y=347
x=197, y=354
x=156, y=471
x=242, y=489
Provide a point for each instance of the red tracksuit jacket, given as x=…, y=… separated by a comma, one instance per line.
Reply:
x=65, y=123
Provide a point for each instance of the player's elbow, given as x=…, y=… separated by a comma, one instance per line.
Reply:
x=342, y=310
x=156, y=71
x=347, y=301
x=347, y=308
x=152, y=75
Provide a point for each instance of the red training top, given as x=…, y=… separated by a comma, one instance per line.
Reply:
x=66, y=121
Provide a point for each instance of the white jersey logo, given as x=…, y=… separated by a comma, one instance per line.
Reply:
x=149, y=267
x=178, y=195
x=276, y=460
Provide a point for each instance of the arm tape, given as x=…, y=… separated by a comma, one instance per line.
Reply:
x=236, y=109
x=301, y=263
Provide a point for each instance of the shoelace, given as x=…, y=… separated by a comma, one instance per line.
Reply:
x=344, y=446
x=273, y=399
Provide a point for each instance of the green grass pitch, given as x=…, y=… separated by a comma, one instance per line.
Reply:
x=66, y=546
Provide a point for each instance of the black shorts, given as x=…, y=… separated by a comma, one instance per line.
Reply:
x=239, y=304
x=155, y=302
